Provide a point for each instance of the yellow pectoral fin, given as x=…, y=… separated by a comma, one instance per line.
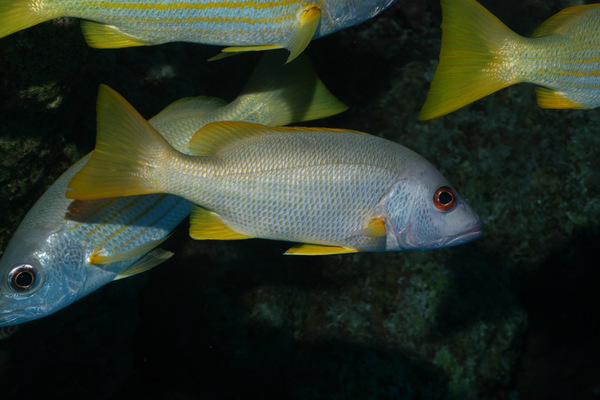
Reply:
x=102, y=36
x=150, y=260
x=205, y=224
x=309, y=22
x=99, y=255
x=234, y=50
x=307, y=249
x=548, y=98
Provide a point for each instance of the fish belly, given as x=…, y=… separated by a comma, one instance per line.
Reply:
x=222, y=22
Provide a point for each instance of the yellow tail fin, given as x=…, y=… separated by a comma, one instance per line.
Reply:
x=280, y=94
x=470, y=57
x=16, y=15
x=127, y=154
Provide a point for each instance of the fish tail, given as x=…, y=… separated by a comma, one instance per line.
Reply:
x=16, y=15
x=126, y=160
x=470, y=58
x=287, y=93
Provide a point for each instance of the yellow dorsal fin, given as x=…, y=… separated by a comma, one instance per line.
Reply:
x=102, y=36
x=99, y=256
x=235, y=50
x=279, y=94
x=308, y=249
x=561, y=22
x=150, y=260
x=205, y=224
x=548, y=98
x=309, y=21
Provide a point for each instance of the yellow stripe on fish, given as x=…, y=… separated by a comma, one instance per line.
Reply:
x=242, y=25
x=480, y=55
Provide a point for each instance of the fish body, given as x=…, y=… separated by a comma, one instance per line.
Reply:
x=64, y=249
x=336, y=191
x=480, y=55
x=243, y=24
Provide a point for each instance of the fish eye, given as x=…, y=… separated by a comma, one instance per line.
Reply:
x=444, y=198
x=22, y=277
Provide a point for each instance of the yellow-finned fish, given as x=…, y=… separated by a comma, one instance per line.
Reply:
x=247, y=25
x=334, y=191
x=480, y=55
x=64, y=249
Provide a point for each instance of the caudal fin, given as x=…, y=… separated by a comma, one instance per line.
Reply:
x=470, y=57
x=16, y=15
x=127, y=154
x=280, y=94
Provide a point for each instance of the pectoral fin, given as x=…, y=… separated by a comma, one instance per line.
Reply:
x=205, y=224
x=309, y=21
x=375, y=228
x=149, y=261
x=102, y=36
x=307, y=249
x=100, y=256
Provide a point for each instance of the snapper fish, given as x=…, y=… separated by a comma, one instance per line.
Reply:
x=332, y=191
x=64, y=249
x=480, y=55
x=243, y=25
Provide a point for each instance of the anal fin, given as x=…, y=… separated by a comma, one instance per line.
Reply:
x=548, y=98
x=103, y=36
x=234, y=50
x=308, y=249
x=205, y=224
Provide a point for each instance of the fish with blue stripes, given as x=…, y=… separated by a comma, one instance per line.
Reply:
x=243, y=25
x=480, y=55
x=64, y=249
x=332, y=191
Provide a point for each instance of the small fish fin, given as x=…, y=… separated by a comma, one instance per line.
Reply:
x=561, y=22
x=149, y=261
x=205, y=224
x=548, y=98
x=16, y=15
x=307, y=249
x=216, y=135
x=179, y=121
x=375, y=228
x=235, y=50
x=103, y=36
x=100, y=257
x=279, y=94
x=309, y=20
x=127, y=152
x=471, y=40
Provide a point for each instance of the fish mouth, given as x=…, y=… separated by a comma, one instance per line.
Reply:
x=17, y=317
x=473, y=233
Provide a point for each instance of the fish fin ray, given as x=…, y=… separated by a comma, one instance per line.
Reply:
x=103, y=36
x=235, y=50
x=126, y=153
x=375, y=228
x=309, y=249
x=471, y=37
x=150, y=260
x=16, y=15
x=309, y=20
x=205, y=224
x=98, y=256
x=560, y=22
x=549, y=98
x=286, y=93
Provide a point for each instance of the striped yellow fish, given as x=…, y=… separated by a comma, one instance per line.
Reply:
x=245, y=25
x=65, y=249
x=480, y=55
x=333, y=191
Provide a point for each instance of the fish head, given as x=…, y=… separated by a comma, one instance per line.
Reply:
x=41, y=273
x=424, y=212
x=346, y=13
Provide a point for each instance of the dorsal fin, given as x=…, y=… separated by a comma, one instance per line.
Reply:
x=561, y=22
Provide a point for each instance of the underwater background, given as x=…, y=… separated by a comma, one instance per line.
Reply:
x=512, y=315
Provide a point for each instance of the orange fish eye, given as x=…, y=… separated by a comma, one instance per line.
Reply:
x=444, y=198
